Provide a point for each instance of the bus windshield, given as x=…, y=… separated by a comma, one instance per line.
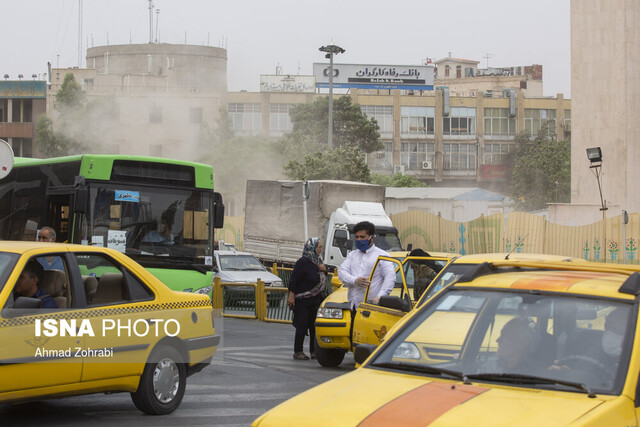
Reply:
x=150, y=221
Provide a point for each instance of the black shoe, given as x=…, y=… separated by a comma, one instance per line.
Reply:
x=300, y=356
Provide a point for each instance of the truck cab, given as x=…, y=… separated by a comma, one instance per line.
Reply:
x=339, y=230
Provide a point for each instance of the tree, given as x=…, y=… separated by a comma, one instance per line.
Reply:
x=237, y=158
x=344, y=162
x=72, y=122
x=541, y=171
x=48, y=142
x=310, y=124
x=70, y=96
x=396, y=180
x=305, y=147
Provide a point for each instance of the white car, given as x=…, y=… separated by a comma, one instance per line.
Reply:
x=242, y=267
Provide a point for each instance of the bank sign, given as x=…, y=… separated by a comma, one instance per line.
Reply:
x=23, y=89
x=287, y=83
x=410, y=77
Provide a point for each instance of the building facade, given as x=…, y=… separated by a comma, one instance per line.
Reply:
x=439, y=138
x=605, y=41
x=22, y=102
x=149, y=99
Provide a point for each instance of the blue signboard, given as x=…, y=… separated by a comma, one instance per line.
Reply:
x=127, y=196
x=23, y=89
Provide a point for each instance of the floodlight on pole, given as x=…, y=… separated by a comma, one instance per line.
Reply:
x=595, y=157
x=331, y=50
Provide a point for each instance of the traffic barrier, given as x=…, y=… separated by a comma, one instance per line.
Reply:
x=235, y=302
x=257, y=301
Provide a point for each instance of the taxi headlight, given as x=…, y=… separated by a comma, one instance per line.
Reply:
x=330, y=313
x=407, y=350
x=204, y=291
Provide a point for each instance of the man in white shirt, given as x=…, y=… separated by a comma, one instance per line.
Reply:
x=356, y=269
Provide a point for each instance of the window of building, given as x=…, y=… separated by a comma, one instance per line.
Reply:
x=246, y=118
x=383, y=115
x=461, y=121
x=88, y=84
x=195, y=115
x=446, y=70
x=498, y=122
x=412, y=154
x=536, y=119
x=567, y=123
x=27, y=110
x=417, y=121
x=496, y=154
x=458, y=71
x=155, y=115
x=22, y=147
x=279, y=120
x=15, y=110
x=4, y=110
x=459, y=157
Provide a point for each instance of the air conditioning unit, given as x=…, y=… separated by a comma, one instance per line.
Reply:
x=398, y=169
x=380, y=154
x=427, y=164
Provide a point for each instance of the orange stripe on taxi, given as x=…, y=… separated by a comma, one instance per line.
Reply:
x=560, y=282
x=422, y=405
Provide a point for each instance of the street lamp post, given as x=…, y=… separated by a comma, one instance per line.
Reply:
x=595, y=158
x=331, y=50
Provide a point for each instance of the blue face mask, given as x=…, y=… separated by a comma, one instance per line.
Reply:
x=362, y=245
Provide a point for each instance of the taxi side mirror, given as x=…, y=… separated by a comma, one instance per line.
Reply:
x=362, y=352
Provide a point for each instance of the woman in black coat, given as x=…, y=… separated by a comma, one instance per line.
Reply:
x=305, y=295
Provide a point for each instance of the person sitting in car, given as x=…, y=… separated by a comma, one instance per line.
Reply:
x=28, y=285
x=516, y=349
x=423, y=273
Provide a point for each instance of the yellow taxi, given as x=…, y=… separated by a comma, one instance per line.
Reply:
x=508, y=343
x=462, y=264
x=333, y=321
x=82, y=319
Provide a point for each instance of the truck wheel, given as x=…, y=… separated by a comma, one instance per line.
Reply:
x=162, y=383
x=329, y=357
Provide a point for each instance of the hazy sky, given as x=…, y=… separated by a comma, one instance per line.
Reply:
x=260, y=35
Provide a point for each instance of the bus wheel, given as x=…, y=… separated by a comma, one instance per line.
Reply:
x=329, y=357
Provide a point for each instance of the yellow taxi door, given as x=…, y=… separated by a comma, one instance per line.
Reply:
x=120, y=317
x=372, y=321
x=35, y=352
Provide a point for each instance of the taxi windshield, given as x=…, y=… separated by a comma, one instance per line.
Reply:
x=543, y=341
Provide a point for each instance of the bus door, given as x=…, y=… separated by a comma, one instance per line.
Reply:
x=58, y=215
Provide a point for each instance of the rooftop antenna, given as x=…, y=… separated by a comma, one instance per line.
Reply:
x=487, y=56
x=150, y=21
x=157, y=18
x=278, y=69
x=79, y=33
x=299, y=67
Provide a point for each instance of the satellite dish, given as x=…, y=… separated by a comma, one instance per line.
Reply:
x=6, y=158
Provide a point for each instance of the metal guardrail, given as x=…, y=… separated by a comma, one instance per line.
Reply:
x=257, y=301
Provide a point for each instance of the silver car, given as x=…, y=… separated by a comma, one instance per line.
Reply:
x=242, y=267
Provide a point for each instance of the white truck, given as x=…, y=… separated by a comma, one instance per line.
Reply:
x=274, y=229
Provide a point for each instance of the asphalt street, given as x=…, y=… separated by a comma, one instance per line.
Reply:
x=252, y=371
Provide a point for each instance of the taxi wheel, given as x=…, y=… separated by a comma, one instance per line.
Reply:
x=162, y=384
x=329, y=357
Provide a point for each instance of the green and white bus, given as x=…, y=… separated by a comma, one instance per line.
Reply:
x=160, y=212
